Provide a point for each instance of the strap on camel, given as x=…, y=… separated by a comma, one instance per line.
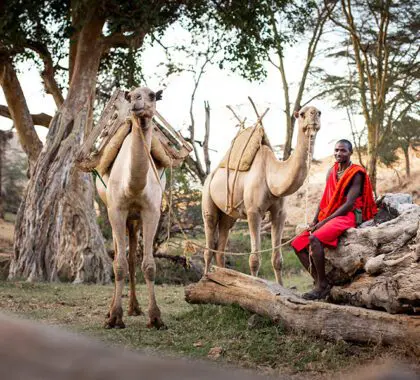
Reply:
x=230, y=193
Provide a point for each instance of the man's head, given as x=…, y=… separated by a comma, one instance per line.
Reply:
x=343, y=151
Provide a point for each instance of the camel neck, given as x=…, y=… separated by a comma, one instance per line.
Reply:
x=286, y=177
x=140, y=145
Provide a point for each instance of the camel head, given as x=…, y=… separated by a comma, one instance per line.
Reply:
x=143, y=101
x=309, y=120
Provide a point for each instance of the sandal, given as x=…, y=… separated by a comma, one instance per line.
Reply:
x=317, y=294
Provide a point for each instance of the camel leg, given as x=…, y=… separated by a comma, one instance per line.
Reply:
x=113, y=295
x=277, y=224
x=150, y=219
x=210, y=218
x=133, y=238
x=254, y=224
x=118, y=222
x=225, y=224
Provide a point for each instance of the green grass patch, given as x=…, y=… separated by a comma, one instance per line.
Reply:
x=245, y=340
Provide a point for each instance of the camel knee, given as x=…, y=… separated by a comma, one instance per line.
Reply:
x=220, y=260
x=254, y=263
x=277, y=261
x=210, y=220
x=120, y=266
x=149, y=270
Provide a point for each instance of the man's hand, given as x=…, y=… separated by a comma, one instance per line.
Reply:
x=316, y=226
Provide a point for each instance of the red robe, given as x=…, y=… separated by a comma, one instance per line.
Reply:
x=334, y=196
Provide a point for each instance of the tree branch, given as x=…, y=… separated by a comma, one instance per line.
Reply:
x=120, y=40
x=47, y=75
x=19, y=111
x=38, y=119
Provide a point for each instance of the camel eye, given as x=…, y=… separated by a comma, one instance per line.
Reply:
x=138, y=96
x=302, y=114
x=319, y=113
x=152, y=96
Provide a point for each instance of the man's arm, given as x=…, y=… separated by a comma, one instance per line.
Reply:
x=354, y=192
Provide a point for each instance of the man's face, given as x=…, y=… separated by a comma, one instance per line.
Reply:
x=342, y=153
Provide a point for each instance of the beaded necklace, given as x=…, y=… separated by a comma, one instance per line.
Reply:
x=341, y=172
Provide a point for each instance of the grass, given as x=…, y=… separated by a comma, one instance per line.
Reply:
x=192, y=329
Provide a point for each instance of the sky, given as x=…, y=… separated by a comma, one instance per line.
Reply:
x=219, y=88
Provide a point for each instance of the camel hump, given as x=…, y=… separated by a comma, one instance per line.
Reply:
x=244, y=148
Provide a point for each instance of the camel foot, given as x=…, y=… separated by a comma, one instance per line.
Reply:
x=115, y=319
x=134, y=310
x=157, y=323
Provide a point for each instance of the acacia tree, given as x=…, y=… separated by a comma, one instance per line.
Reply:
x=56, y=233
x=406, y=132
x=383, y=37
x=315, y=29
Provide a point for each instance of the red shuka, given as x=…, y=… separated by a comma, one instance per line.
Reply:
x=334, y=196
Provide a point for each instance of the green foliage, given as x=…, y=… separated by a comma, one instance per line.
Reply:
x=251, y=35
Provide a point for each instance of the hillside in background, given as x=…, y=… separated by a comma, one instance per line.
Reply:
x=390, y=180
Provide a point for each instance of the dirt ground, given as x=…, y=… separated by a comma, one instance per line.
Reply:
x=82, y=309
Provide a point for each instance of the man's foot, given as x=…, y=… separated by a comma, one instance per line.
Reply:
x=317, y=294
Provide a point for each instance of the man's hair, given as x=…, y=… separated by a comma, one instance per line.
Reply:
x=344, y=141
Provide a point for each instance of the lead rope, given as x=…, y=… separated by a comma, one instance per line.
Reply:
x=307, y=197
x=189, y=245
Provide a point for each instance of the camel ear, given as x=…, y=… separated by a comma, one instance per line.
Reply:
x=127, y=96
x=296, y=114
x=159, y=95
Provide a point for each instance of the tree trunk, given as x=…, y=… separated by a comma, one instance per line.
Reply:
x=407, y=161
x=57, y=237
x=225, y=286
x=19, y=112
x=372, y=154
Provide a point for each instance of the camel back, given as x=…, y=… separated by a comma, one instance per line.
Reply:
x=244, y=148
x=104, y=142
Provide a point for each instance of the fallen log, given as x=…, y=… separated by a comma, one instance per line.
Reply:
x=225, y=286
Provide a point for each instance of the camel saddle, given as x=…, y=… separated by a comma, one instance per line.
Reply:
x=244, y=147
x=101, y=147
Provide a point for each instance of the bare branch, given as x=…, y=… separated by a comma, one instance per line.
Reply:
x=19, y=111
x=120, y=40
x=47, y=75
x=38, y=119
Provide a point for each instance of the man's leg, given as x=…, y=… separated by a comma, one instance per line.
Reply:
x=303, y=257
x=322, y=287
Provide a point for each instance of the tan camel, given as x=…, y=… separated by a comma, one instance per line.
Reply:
x=260, y=189
x=133, y=197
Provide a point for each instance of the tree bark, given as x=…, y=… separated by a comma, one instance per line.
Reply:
x=378, y=267
x=19, y=112
x=57, y=237
x=407, y=161
x=225, y=286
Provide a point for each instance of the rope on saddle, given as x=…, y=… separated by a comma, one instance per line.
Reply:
x=188, y=244
x=95, y=175
x=230, y=193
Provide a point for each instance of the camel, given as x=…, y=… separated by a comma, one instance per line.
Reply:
x=260, y=189
x=133, y=197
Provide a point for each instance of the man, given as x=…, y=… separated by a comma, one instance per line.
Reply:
x=346, y=202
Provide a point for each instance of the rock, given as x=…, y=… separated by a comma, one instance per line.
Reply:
x=379, y=266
